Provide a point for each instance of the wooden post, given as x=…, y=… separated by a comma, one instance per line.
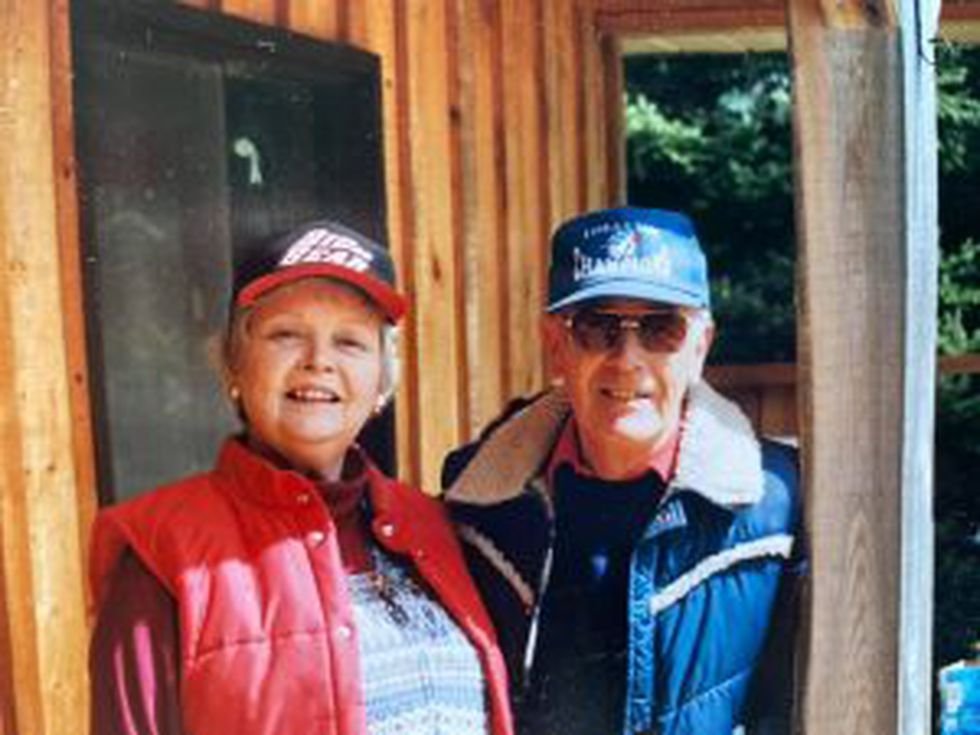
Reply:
x=43, y=634
x=866, y=211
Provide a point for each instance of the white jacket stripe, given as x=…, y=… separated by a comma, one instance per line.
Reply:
x=498, y=561
x=775, y=545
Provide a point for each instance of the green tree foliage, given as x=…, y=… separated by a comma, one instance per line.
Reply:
x=711, y=136
x=958, y=418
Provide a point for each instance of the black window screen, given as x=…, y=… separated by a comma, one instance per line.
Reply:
x=196, y=134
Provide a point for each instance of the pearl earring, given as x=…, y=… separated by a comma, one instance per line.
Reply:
x=234, y=393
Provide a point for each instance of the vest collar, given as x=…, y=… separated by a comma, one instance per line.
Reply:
x=719, y=456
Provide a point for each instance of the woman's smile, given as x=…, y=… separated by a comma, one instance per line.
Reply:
x=309, y=371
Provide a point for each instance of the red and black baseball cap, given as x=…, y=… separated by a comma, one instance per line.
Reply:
x=321, y=248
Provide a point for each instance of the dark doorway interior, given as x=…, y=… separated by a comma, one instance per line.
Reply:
x=197, y=134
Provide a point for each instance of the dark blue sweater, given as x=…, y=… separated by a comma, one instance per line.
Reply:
x=579, y=674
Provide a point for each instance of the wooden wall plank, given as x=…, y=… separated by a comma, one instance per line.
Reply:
x=480, y=184
x=258, y=11
x=611, y=59
x=593, y=79
x=633, y=17
x=524, y=154
x=374, y=26
x=45, y=637
x=563, y=113
x=851, y=103
x=318, y=18
x=430, y=229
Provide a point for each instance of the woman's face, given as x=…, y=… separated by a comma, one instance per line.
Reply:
x=308, y=368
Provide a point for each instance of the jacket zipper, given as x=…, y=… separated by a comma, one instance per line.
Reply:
x=530, y=644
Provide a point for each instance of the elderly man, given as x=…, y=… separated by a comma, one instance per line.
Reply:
x=635, y=542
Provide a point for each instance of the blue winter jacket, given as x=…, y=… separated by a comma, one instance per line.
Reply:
x=713, y=579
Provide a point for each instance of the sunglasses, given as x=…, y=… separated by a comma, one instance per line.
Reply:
x=603, y=331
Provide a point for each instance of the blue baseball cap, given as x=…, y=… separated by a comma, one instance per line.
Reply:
x=630, y=253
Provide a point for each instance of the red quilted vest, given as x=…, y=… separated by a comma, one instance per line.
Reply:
x=267, y=635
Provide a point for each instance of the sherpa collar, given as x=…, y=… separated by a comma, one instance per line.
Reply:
x=719, y=456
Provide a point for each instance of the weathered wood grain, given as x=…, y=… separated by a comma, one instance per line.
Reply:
x=318, y=18
x=430, y=222
x=851, y=108
x=375, y=27
x=259, y=11
x=43, y=643
x=525, y=168
x=481, y=184
x=66, y=198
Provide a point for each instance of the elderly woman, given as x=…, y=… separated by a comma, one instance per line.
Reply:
x=294, y=588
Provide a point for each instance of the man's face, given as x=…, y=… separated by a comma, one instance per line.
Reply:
x=627, y=378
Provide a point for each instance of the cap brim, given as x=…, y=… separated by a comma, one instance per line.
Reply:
x=392, y=303
x=622, y=289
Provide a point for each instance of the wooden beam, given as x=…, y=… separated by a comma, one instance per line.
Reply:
x=960, y=365
x=961, y=10
x=760, y=374
x=863, y=264
x=42, y=604
x=639, y=17
x=634, y=19
x=859, y=14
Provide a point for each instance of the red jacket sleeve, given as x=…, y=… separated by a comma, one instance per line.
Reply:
x=134, y=660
